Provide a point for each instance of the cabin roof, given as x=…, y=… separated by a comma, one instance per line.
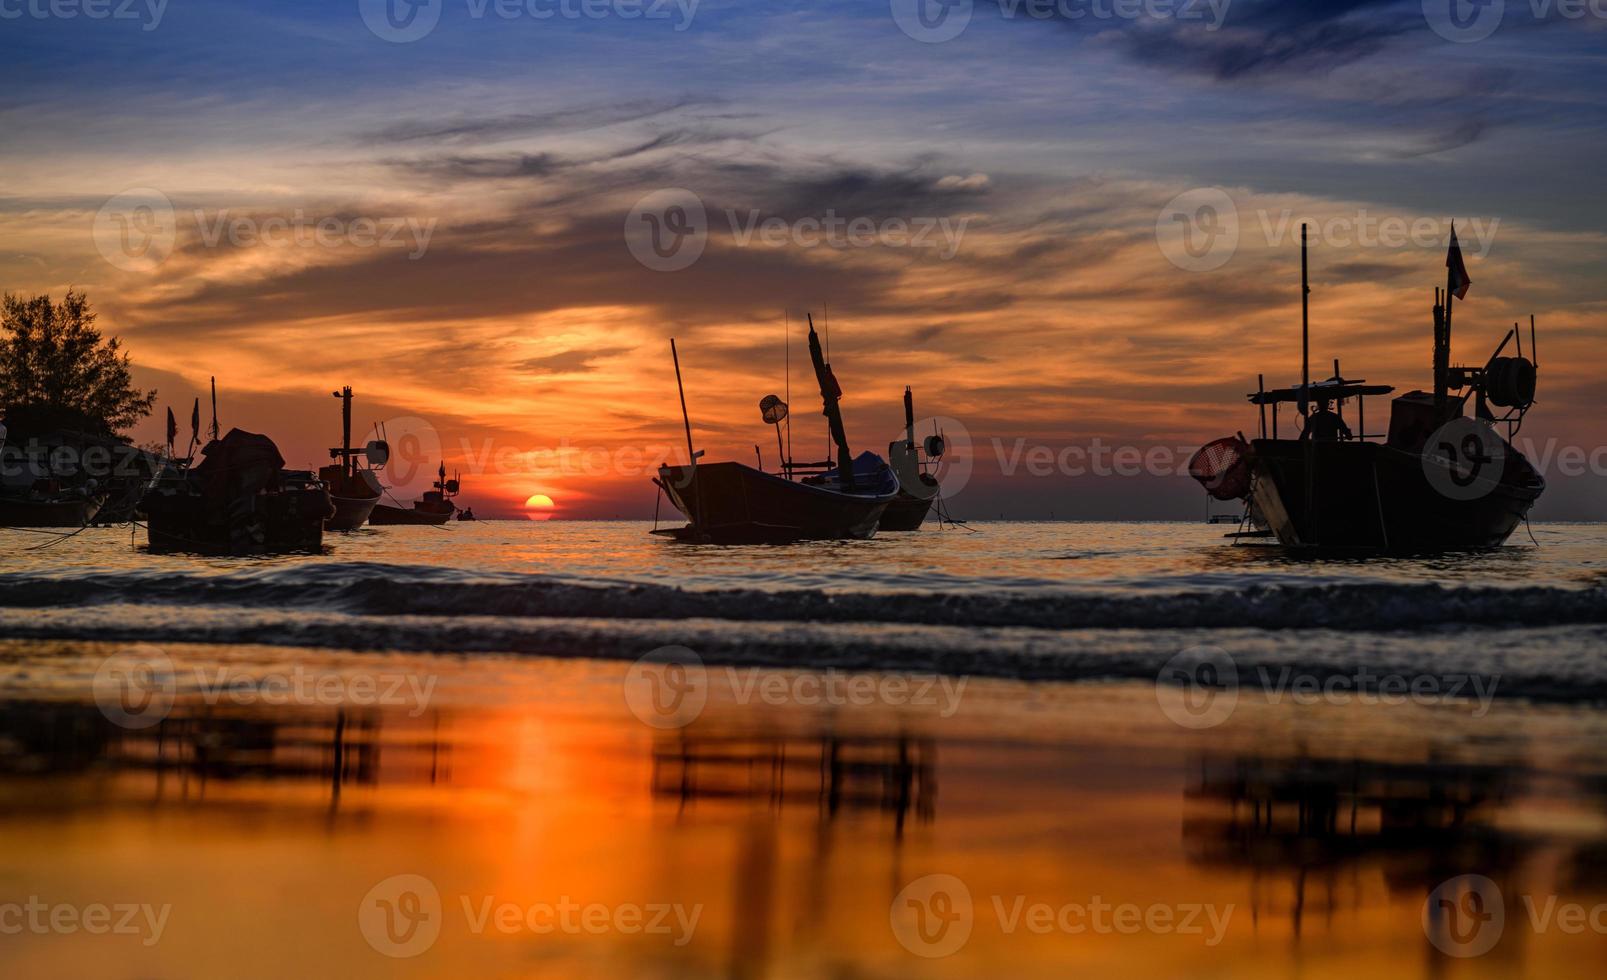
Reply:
x=1337, y=389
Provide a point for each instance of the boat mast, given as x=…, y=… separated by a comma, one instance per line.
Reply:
x=909, y=419
x=214, y=409
x=1442, y=351
x=1305, y=328
x=786, y=326
x=345, y=396
x=691, y=455
x=834, y=415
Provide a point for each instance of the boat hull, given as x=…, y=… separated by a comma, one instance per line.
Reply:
x=384, y=515
x=730, y=503
x=49, y=513
x=1374, y=497
x=260, y=524
x=906, y=512
x=350, y=512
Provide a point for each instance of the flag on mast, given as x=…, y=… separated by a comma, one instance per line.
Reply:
x=1458, y=280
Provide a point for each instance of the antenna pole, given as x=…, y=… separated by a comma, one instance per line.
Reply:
x=1305, y=328
x=1534, y=349
x=1261, y=389
x=345, y=396
x=214, y=409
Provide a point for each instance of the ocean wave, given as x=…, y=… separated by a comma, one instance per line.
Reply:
x=1558, y=663
x=380, y=590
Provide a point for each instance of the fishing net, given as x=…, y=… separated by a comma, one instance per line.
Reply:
x=1223, y=468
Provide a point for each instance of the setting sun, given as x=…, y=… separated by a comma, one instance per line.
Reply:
x=538, y=507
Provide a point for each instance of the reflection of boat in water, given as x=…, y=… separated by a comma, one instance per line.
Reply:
x=435, y=507
x=889, y=774
x=917, y=488
x=354, y=490
x=1315, y=821
x=192, y=748
x=238, y=501
x=733, y=503
x=1438, y=481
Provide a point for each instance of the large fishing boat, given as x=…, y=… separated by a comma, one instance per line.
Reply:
x=733, y=503
x=354, y=489
x=1438, y=480
x=435, y=507
x=239, y=500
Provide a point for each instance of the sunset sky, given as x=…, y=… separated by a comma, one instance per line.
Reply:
x=442, y=222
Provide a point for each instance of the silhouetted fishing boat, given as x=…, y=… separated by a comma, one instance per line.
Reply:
x=49, y=505
x=34, y=494
x=733, y=503
x=239, y=500
x=1438, y=480
x=917, y=489
x=355, y=490
x=436, y=506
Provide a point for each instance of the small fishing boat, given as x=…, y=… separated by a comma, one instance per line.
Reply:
x=733, y=503
x=467, y=514
x=918, y=489
x=436, y=506
x=355, y=490
x=1437, y=481
x=239, y=500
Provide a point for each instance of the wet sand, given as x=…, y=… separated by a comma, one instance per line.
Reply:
x=342, y=814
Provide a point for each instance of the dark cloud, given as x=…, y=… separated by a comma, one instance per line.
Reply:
x=571, y=361
x=481, y=129
x=1274, y=38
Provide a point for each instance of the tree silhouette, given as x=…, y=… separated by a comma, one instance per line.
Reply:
x=56, y=371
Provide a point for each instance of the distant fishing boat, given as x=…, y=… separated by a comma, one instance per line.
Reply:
x=436, y=506
x=917, y=489
x=239, y=500
x=355, y=490
x=1438, y=481
x=47, y=501
x=733, y=503
x=467, y=514
x=46, y=504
